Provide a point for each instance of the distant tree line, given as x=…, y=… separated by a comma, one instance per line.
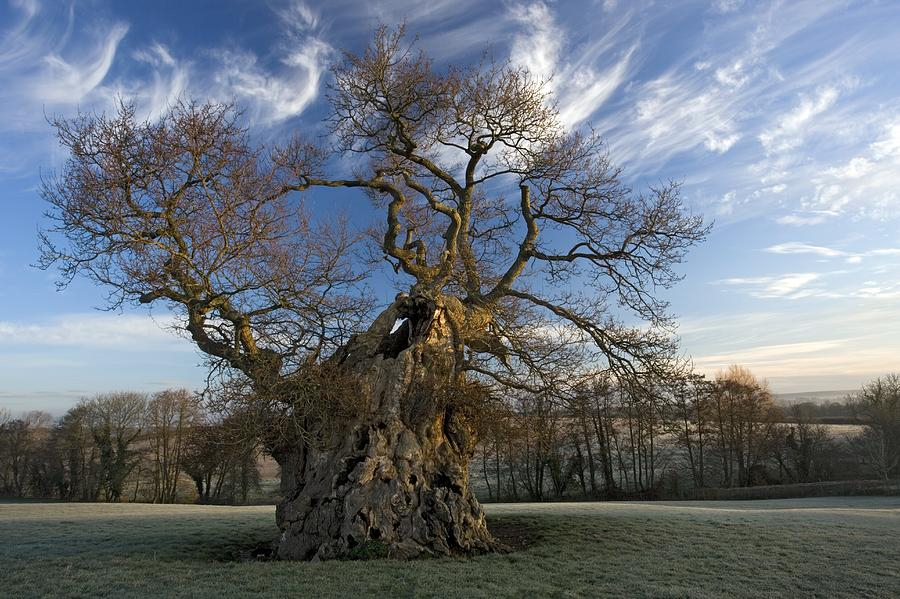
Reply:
x=160, y=448
x=608, y=440
x=602, y=440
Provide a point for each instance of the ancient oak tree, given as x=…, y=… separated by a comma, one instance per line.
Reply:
x=514, y=239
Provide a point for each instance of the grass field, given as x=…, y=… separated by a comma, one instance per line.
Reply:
x=825, y=547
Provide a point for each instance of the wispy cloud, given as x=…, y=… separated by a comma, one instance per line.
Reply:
x=797, y=247
x=70, y=81
x=789, y=286
x=769, y=353
x=837, y=348
x=271, y=98
x=726, y=6
x=269, y=91
x=125, y=332
x=168, y=81
x=45, y=66
x=276, y=94
x=710, y=101
x=539, y=44
x=759, y=101
x=54, y=63
x=806, y=218
x=866, y=183
x=789, y=130
x=590, y=73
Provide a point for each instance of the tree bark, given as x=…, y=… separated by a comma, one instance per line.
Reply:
x=392, y=480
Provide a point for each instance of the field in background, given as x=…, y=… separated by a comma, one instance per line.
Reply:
x=824, y=547
x=815, y=396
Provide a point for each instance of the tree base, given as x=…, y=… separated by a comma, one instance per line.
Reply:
x=395, y=480
x=377, y=495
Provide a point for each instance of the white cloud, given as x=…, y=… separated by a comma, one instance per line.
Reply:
x=790, y=130
x=17, y=43
x=538, y=46
x=590, y=74
x=767, y=353
x=275, y=93
x=802, y=220
x=727, y=203
x=856, y=168
x=124, y=332
x=716, y=142
x=888, y=145
x=796, y=247
x=48, y=66
x=299, y=15
x=588, y=90
x=733, y=75
x=156, y=55
x=272, y=98
x=884, y=252
x=675, y=116
x=726, y=6
x=866, y=184
x=53, y=64
x=719, y=93
x=170, y=78
x=69, y=82
x=789, y=286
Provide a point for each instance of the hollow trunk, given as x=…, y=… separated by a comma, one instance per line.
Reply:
x=393, y=479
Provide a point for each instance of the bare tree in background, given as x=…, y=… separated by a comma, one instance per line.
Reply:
x=744, y=418
x=116, y=421
x=877, y=405
x=374, y=432
x=690, y=415
x=804, y=450
x=221, y=459
x=19, y=439
x=94, y=448
x=170, y=418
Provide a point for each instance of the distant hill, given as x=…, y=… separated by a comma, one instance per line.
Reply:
x=814, y=396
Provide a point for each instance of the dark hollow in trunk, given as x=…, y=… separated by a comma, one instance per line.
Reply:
x=396, y=476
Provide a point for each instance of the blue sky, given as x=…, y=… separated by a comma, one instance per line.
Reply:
x=782, y=120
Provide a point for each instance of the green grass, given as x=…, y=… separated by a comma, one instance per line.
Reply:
x=826, y=547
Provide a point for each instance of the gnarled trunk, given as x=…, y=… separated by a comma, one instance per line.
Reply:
x=394, y=479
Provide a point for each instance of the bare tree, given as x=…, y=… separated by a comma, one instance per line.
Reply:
x=221, y=459
x=93, y=450
x=116, y=421
x=170, y=417
x=19, y=440
x=877, y=405
x=81, y=473
x=374, y=432
x=689, y=417
x=745, y=416
x=804, y=450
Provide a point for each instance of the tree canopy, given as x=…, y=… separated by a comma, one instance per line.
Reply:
x=487, y=199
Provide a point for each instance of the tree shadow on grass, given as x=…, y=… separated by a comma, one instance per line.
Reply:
x=514, y=534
